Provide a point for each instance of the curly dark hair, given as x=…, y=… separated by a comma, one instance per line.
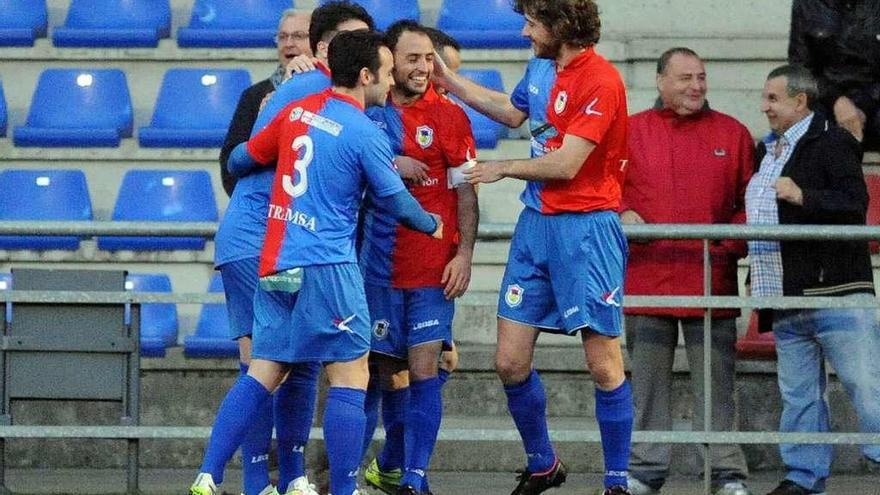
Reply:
x=575, y=22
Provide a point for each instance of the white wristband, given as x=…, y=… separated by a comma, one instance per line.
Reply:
x=455, y=175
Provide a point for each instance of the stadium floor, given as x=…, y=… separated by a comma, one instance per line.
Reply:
x=156, y=481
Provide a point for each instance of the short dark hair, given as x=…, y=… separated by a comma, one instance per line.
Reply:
x=798, y=79
x=327, y=18
x=352, y=51
x=575, y=22
x=441, y=40
x=396, y=30
x=663, y=61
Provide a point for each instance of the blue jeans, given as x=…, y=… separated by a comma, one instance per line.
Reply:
x=850, y=340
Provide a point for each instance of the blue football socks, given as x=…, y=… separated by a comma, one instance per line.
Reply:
x=443, y=376
x=394, y=403
x=344, y=421
x=255, y=448
x=294, y=410
x=614, y=411
x=423, y=415
x=528, y=406
x=371, y=410
x=234, y=420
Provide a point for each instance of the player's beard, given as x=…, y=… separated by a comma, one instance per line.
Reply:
x=406, y=91
x=548, y=50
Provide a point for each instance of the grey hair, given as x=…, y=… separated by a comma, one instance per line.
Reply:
x=663, y=61
x=798, y=80
x=292, y=12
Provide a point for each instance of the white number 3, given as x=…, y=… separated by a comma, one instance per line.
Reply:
x=301, y=165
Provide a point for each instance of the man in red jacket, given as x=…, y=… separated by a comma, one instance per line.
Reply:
x=688, y=164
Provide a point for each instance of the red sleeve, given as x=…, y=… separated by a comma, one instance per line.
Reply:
x=457, y=137
x=263, y=147
x=597, y=110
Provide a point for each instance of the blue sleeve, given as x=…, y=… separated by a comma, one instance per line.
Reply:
x=240, y=161
x=520, y=96
x=404, y=207
x=377, y=161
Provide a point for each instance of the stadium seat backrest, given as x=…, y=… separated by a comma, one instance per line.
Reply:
x=873, y=183
x=166, y=195
x=387, y=12
x=6, y=284
x=237, y=14
x=127, y=14
x=482, y=23
x=45, y=195
x=214, y=319
x=82, y=99
x=156, y=318
x=199, y=98
x=3, y=112
x=21, y=21
x=490, y=78
x=486, y=131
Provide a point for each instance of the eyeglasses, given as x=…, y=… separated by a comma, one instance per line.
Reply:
x=283, y=37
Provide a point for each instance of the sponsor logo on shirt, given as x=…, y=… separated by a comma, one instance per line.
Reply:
x=425, y=324
x=296, y=114
x=720, y=152
x=514, y=295
x=424, y=136
x=342, y=325
x=380, y=329
x=610, y=298
x=561, y=102
x=295, y=217
x=317, y=121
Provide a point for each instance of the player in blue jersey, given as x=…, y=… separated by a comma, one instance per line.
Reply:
x=310, y=305
x=237, y=250
x=568, y=252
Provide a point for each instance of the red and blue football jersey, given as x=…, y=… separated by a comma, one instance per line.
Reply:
x=588, y=101
x=327, y=151
x=435, y=131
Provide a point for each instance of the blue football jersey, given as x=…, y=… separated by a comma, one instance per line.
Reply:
x=328, y=151
x=243, y=227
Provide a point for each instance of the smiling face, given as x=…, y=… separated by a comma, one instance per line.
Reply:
x=682, y=85
x=293, y=38
x=782, y=110
x=413, y=63
x=543, y=43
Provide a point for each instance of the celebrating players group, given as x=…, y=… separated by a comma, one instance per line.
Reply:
x=351, y=231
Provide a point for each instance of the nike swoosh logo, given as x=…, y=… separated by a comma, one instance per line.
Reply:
x=590, y=111
x=610, y=299
x=343, y=325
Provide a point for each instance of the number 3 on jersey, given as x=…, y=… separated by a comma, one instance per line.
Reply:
x=300, y=166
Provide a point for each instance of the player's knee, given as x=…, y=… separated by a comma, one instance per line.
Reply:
x=606, y=374
x=512, y=371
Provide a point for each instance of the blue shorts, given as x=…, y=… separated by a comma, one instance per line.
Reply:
x=325, y=321
x=240, y=280
x=405, y=318
x=565, y=273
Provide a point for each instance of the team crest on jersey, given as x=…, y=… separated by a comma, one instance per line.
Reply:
x=561, y=102
x=424, y=136
x=295, y=114
x=380, y=329
x=514, y=295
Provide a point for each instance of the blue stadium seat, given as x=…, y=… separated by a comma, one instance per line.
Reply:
x=482, y=23
x=387, y=12
x=6, y=284
x=212, y=338
x=114, y=23
x=486, y=131
x=194, y=108
x=3, y=112
x=22, y=22
x=78, y=108
x=233, y=23
x=43, y=195
x=162, y=196
x=158, y=320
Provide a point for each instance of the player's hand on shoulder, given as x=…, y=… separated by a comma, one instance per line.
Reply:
x=457, y=275
x=411, y=169
x=300, y=64
x=438, y=232
x=266, y=100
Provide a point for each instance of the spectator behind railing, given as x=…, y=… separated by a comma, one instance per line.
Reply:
x=687, y=164
x=839, y=42
x=811, y=173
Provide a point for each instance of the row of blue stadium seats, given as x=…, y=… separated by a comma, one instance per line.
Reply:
x=235, y=23
x=89, y=108
x=144, y=196
x=158, y=321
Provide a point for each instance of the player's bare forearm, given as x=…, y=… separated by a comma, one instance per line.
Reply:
x=468, y=219
x=493, y=104
x=561, y=164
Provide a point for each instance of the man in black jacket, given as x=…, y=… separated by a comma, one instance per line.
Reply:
x=292, y=40
x=839, y=42
x=811, y=173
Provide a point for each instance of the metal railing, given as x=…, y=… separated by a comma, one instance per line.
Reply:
x=487, y=232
